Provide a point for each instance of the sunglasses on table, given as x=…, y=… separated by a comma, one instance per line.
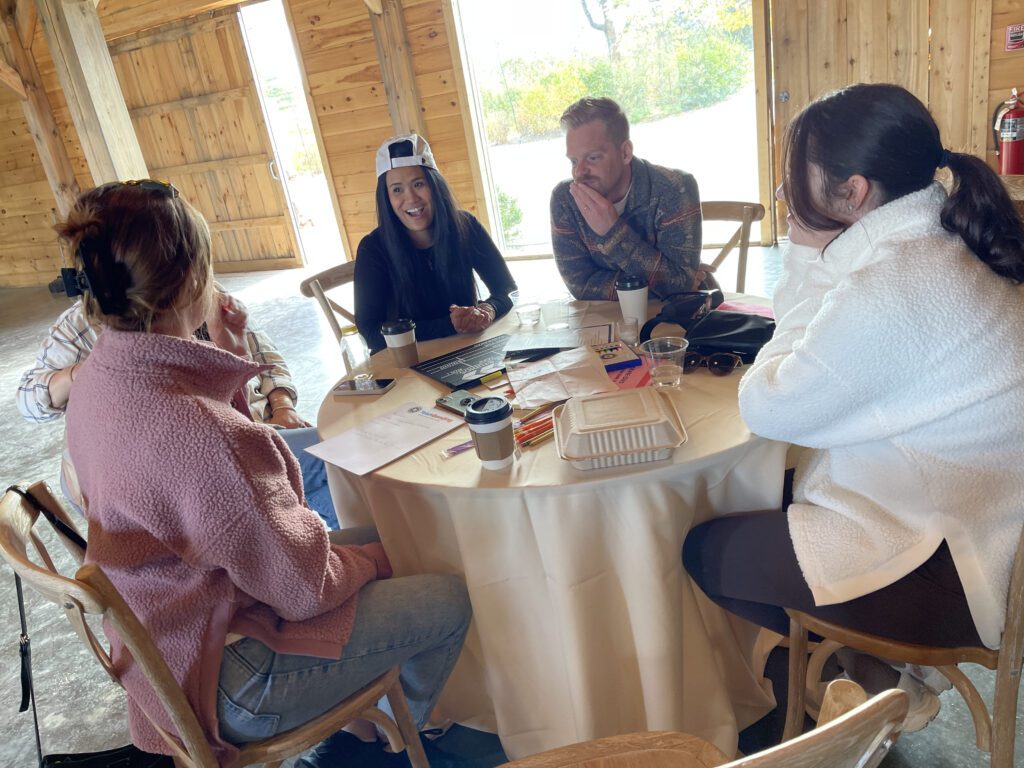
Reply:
x=719, y=363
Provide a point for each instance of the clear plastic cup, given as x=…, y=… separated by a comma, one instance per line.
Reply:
x=664, y=358
x=555, y=312
x=628, y=330
x=527, y=308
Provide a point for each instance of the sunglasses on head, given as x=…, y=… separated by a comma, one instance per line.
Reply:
x=719, y=363
x=153, y=185
x=150, y=185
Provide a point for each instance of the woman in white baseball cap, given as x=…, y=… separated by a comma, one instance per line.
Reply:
x=419, y=261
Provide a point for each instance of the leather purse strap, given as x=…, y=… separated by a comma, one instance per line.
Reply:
x=25, y=651
x=63, y=528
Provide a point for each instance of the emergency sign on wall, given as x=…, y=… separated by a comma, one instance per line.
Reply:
x=1015, y=37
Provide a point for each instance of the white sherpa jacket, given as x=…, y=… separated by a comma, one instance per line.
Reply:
x=898, y=359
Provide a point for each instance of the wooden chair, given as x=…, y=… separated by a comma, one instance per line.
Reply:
x=743, y=213
x=859, y=738
x=91, y=593
x=317, y=287
x=994, y=734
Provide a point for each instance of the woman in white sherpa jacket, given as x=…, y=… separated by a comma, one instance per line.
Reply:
x=898, y=361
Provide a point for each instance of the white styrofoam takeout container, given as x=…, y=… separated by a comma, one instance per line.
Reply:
x=616, y=428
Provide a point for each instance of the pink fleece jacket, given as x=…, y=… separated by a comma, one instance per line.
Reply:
x=196, y=515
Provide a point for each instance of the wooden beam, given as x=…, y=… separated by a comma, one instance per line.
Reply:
x=39, y=118
x=91, y=88
x=10, y=78
x=170, y=32
x=325, y=161
x=25, y=16
x=235, y=224
x=374, y=6
x=396, y=67
x=219, y=97
x=473, y=138
x=979, y=115
x=210, y=165
x=763, y=107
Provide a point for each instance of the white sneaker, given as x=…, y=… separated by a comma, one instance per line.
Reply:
x=924, y=702
x=934, y=681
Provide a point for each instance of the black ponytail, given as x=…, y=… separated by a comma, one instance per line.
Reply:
x=980, y=210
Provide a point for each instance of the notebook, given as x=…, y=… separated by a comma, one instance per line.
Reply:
x=464, y=368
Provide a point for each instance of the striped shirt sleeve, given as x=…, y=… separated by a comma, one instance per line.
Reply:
x=69, y=341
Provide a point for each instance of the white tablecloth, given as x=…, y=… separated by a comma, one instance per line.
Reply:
x=585, y=624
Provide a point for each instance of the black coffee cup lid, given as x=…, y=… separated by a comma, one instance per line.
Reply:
x=488, y=410
x=401, y=325
x=630, y=283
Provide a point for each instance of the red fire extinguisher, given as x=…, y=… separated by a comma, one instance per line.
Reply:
x=1009, y=133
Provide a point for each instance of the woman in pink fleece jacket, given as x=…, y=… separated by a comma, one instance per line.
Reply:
x=197, y=515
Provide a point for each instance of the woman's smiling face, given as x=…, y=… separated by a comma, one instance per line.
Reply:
x=410, y=198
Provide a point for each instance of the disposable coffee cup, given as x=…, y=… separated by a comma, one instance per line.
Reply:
x=490, y=424
x=632, y=291
x=400, y=336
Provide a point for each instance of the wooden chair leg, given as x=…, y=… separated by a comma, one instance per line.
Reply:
x=975, y=705
x=407, y=726
x=797, y=681
x=814, y=692
x=395, y=739
x=1004, y=716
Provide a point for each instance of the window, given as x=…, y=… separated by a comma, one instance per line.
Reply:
x=683, y=71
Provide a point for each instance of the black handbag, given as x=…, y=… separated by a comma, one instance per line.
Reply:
x=710, y=331
x=128, y=756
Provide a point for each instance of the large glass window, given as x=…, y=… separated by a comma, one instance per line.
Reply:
x=683, y=71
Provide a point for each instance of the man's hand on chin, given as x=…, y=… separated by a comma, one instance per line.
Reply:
x=597, y=210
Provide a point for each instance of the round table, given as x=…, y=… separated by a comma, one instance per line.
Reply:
x=585, y=624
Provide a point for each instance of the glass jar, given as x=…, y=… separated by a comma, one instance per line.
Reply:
x=354, y=351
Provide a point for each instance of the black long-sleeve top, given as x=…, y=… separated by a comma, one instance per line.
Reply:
x=374, y=294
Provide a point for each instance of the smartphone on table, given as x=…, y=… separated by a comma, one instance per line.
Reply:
x=457, y=402
x=362, y=385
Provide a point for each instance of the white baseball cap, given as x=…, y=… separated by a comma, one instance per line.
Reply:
x=421, y=154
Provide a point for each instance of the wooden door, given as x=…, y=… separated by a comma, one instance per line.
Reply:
x=194, y=103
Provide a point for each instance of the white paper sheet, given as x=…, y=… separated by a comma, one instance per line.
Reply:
x=386, y=438
x=559, y=377
x=565, y=338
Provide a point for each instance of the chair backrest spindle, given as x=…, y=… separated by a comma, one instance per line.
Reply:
x=745, y=214
x=319, y=284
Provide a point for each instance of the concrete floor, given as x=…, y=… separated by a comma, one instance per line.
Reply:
x=80, y=709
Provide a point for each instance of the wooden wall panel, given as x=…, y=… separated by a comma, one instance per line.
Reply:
x=346, y=91
x=821, y=46
x=29, y=254
x=958, y=80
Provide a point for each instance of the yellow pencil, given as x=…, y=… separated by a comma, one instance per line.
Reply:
x=539, y=410
x=538, y=439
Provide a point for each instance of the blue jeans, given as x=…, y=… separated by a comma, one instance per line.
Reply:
x=314, y=473
x=415, y=622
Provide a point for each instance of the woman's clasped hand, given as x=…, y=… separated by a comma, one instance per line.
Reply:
x=471, y=319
